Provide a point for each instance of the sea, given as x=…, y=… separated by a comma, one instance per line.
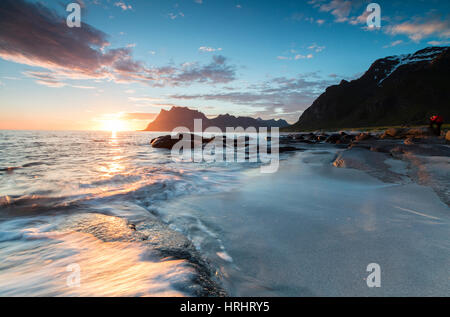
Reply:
x=79, y=216
x=92, y=213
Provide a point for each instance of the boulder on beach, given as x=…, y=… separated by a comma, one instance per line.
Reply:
x=409, y=141
x=164, y=142
x=401, y=133
x=393, y=133
x=346, y=138
x=418, y=132
x=296, y=137
x=364, y=137
x=333, y=138
x=341, y=138
x=299, y=138
x=168, y=142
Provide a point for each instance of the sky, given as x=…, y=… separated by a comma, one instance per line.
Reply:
x=132, y=58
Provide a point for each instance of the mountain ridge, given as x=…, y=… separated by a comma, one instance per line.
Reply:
x=167, y=120
x=395, y=90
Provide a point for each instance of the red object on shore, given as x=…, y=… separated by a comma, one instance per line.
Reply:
x=437, y=119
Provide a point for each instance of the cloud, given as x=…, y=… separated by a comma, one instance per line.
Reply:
x=40, y=38
x=339, y=8
x=208, y=49
x=198, y=1
x=216, y=72
x=342, y=10
x=416, y=29
x=420, y=28
x=145, y=99
x=82, y=87
x=361, y=19
x=296, y=56
x=173, y=16
x=316, y=48
x=393, y=44
x=138, y=116
x=438, y=43
x=45, y=79
x=286, y=96
x=123, y=5
x=299, y=56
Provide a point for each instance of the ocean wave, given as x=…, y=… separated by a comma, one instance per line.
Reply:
x=114, y=257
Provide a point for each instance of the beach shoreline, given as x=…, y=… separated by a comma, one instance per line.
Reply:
x=312, y=228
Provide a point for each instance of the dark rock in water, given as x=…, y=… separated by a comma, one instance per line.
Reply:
x=33, y=164
x=284, y=149
x=341, y=138
x=364, y=137
x=346, y=139
x=306, y=141
x=321, y=138
x=9, y=169
x=393, y=133
x=164, y=142
x=167, y=142
x=333, y=138
x=410, y=141
x=298, y=137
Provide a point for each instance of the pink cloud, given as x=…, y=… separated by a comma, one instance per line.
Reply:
x=40, y=38
x=421, y=28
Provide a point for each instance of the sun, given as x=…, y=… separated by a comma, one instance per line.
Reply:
x=114, y=125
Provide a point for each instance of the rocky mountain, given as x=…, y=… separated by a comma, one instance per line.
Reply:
x=396, y=90
x=184, y=117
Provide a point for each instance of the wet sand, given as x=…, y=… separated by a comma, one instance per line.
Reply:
x=311, y=229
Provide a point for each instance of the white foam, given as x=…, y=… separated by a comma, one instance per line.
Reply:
x=38, y=263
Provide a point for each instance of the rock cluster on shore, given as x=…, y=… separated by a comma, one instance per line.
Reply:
x=410, y=135
x=168, y=142
x=426, y=157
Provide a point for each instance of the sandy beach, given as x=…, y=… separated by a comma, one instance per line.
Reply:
x=311, y=229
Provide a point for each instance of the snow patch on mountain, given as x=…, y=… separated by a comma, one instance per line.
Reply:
x=425, y=55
